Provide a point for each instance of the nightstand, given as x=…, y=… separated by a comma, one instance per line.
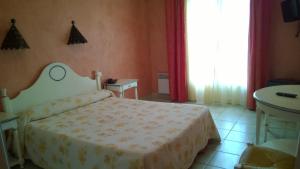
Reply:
x=8, y=121
x=122, y=85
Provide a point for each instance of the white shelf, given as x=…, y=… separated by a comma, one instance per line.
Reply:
x=288, y=146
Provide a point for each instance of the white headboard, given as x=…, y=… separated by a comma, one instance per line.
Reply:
x=57, y=80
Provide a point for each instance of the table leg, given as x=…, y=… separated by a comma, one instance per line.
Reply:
x=16, y=136
x=266, y=125
x=136, y=93
x=258, y=123
x=122, y=94
x=297, y=163
x=4, y=149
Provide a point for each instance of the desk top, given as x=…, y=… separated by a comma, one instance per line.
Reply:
x=121, y=82
x=268, y=97
x=4, y=117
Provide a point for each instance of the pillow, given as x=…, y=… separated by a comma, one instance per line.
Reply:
x=54, y=107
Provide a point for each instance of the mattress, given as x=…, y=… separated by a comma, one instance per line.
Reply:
x=119, y=133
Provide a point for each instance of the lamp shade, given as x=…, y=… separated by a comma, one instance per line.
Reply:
x=14, y=39
x=76, y=36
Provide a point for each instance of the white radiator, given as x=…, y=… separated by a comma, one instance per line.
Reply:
x=163, y=83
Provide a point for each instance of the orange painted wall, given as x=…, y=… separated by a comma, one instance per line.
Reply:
x=117, y=34
x=126, y=39
x=157, y=39
x=284, y=46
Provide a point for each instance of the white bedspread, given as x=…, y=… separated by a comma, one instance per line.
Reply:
x=121, y=134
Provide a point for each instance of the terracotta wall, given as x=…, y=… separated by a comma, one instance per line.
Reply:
x=126, y=39
x=116, y=30
x=157, y=38
x=284, y=46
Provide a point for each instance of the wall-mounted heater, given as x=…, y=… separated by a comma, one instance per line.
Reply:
x=163, y=83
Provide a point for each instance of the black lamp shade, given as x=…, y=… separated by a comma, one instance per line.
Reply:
x=75, y=36
x=13, y=39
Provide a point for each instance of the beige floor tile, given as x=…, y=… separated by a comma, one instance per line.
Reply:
x=215, y=116
x=233, y=110
x=221, y=124
x=224, y=160
x=244, y=120
x=248, y=113
x=232, y=147
x=229, y=118
x=243, y=127
x=217, y=109
x=240, y=137
x=223, y=133
x=247, y=120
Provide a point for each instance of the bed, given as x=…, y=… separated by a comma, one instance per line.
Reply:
x=68, y=121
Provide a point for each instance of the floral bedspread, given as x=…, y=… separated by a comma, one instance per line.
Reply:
x=119, y=133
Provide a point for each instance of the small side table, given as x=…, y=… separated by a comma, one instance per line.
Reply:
x=122, y=85
x=268, y=102
x=8, y=121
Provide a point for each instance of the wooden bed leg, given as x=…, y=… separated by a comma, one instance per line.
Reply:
x=20, y=157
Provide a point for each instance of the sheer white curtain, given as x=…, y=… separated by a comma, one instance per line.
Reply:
x=217, y=38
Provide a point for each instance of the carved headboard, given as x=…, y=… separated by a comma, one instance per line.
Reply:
x=57, y=80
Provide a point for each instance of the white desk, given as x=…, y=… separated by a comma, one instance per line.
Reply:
x=122, y=85
x=269, y=103
x=9, y=121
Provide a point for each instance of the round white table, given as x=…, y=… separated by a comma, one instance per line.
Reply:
x=284, y=107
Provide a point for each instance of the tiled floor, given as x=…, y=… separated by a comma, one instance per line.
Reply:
x=236, y=126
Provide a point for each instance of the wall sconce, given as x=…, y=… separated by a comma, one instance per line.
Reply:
x=75, y=36
x=13, y=38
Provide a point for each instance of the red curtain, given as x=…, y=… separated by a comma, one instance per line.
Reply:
x=176, y=44
x=258, y=68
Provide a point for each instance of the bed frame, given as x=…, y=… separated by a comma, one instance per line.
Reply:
x=57, y=80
